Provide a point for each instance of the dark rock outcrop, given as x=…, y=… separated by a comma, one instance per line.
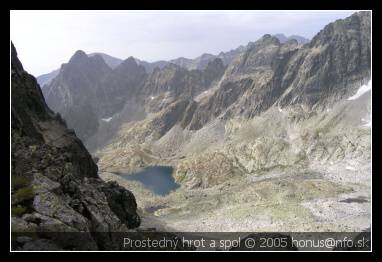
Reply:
x=122, y=203
x=55, y=185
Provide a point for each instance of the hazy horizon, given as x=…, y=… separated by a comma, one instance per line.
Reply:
x=46, y=39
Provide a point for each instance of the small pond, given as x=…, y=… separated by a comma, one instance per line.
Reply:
x=157, y=179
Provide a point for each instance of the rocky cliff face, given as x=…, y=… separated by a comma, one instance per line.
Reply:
x=74, y=93
x=55, y=185
x=121, y=84
x=331, y=67
x=164, y=99
x=182, y=83
x=336, y=63
x=87, y=90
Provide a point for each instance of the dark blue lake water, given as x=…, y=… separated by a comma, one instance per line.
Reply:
x=157, y=179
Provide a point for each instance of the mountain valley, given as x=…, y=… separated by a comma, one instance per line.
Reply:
x=272, y=136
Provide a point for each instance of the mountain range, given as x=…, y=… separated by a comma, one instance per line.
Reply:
x=265, y=73
x=263, y=137
x=279, y=109
x=197, y=63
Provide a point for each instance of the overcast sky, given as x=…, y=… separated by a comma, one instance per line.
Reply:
x=46, y=39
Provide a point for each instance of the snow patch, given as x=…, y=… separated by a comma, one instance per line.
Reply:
x=368, y=124
x=362, y=90
x=349, y=168
x=106, y=119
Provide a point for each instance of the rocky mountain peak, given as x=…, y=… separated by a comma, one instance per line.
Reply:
x=266, y=40
x=79, y=55
x=81, y=64
x=16, y=65
x=97, y=59
x=130, y=60
x=336, y=62
x=344, y=29
x=129, y=66
x=299, y=39
x=77, y=83
x=111, y=61
x=206, y=56
x=81, y=61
